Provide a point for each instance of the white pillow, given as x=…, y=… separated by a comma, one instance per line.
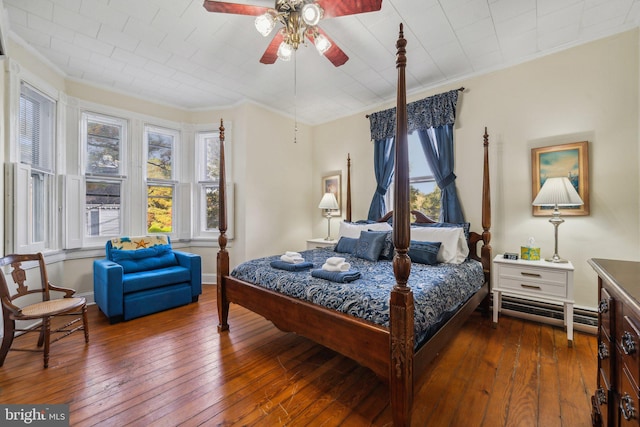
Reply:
x=350, y=229
x=453, y=248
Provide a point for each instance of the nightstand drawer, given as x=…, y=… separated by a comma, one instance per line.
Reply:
x=518, y=272
x=531, y=287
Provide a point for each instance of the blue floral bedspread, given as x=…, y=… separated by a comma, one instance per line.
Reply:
x=438, y=290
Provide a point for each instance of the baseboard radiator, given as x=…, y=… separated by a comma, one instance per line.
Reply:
x=583, y=320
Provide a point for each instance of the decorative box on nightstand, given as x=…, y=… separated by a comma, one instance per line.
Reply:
x=534, y=280
x=320, y=243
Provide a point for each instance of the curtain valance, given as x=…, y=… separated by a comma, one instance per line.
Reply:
x=434, y=111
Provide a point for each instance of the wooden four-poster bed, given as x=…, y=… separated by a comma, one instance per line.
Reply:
x=388, y=350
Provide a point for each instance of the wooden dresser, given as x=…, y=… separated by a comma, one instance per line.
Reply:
x=616, y=399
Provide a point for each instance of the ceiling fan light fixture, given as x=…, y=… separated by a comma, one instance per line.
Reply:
x=265, y=23
x=322, y=44
x=311, y=14
x=285, y=51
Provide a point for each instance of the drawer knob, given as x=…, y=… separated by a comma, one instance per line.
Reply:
x=601, y=396
x=627, y=343
x=626, y=406
x=603, y=307
x=603, y=351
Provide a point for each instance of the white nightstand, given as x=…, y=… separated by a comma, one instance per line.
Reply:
x=534, y=280
x=320, y=243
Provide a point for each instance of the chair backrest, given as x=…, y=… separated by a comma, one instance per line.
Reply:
x=136, y=242
x=34, y=282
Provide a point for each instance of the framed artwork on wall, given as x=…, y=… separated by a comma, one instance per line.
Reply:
x=570, y=160
x=333, y=184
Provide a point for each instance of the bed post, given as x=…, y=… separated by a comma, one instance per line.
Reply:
x=222, y=266
x=348, y=187
x=485, y=251
x=401, y=304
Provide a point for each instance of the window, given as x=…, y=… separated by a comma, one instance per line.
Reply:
x=208, y=180
x=160, y=172
x=103, y=140
x=424, y=193
x=35, y=175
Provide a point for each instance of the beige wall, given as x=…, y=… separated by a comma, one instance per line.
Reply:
x=589, y=93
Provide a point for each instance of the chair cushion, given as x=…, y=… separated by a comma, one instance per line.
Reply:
x=141, y=280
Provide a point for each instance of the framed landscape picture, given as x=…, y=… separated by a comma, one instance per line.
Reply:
x=570, y=160
x=333, y=184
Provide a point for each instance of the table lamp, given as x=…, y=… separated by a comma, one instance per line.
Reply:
x=328, y=203
x=557, y=192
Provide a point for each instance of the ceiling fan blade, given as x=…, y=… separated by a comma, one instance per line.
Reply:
x=333, y=8
x=334, y=54
x=271, y=54
x=235, y=8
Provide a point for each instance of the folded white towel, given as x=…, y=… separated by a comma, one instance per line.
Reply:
x=292, y=259
x=292, y=254
x=335, y=260
x=345, y=266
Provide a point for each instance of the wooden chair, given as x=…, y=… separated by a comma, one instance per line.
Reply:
x=32, y=303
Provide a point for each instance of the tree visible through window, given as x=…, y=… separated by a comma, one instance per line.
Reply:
x=160, y=174
x=424, y=193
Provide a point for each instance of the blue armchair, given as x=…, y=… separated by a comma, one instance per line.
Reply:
x=144, y=275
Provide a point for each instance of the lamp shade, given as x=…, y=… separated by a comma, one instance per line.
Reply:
x=328, y=201
x=557, y=192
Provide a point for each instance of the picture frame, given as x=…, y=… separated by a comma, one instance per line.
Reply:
x=333, y=184
x=570, y=160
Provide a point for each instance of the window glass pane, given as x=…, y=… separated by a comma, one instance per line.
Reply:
x=424, y=194
x=36, y=129
x=159, y=156
x=39, y=207
x=159, y=208
x=211, y=170
x=103, y=146
x=211, y=202
x=103, y=213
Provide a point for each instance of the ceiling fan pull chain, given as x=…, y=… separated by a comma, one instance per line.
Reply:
x=295, y=98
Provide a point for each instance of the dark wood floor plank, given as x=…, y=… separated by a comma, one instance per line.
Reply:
x=174, y=368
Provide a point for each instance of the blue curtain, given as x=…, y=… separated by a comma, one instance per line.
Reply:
x=436, y=112
x=383, y=128
x=438, y=148
x=383, y=162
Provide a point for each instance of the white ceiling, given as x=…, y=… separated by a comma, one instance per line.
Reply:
x=177, y=53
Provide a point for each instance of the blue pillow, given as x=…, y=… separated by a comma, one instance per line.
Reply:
x=159, y=256
x=346, y=245
x=387, y=248
x=424, y=252
x=369, y=245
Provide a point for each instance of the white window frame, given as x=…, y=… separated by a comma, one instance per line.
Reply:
x=200, y=214
x=160, y=182
x=19, y=186
x=120, y=177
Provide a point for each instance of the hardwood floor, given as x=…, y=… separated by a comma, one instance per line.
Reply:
x=173, y=368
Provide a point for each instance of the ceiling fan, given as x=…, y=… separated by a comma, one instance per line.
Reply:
x=300, y=23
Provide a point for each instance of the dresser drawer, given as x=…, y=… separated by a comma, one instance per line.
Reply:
x=605, y=356
x=534, y=287
x=628, y=406
x=629, y=342
x=606, y=312
x=523, y=272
